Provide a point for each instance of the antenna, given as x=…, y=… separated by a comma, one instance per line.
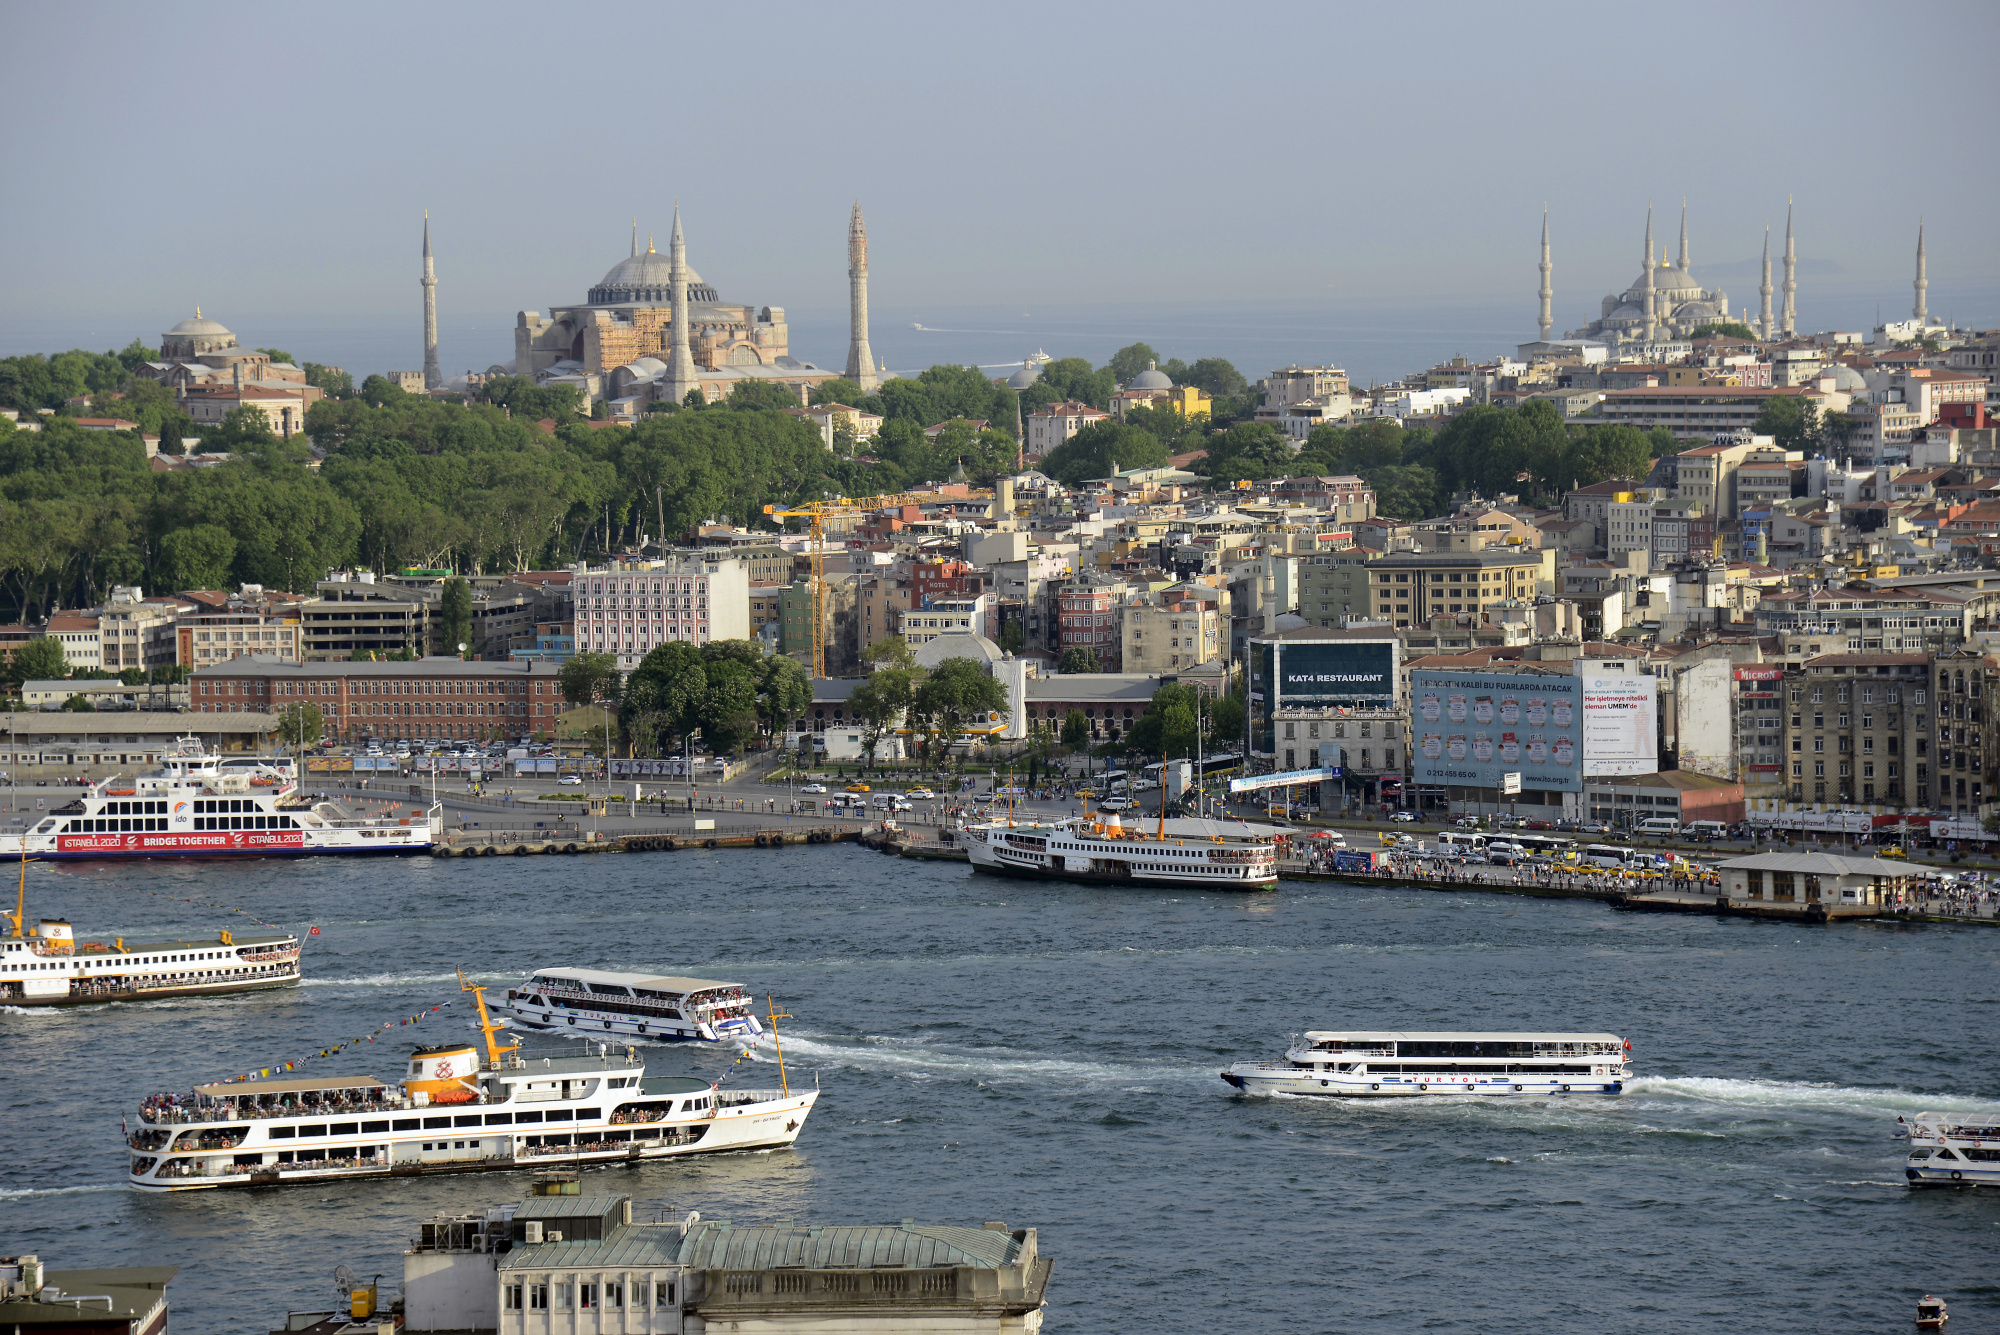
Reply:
x=343, y=1279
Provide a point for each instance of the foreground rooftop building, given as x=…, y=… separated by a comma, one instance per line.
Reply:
x=567, y=1262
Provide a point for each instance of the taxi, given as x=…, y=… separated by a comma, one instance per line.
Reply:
x=858, y=787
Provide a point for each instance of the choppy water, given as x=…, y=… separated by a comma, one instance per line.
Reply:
x=1047, y=1055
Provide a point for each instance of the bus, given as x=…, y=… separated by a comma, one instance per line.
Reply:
x=1461, y=841
x=1608, y=855
x=1546, y=845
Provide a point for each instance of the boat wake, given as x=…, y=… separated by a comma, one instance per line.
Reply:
x=919, y=1062
x=22, y=1193
x=1778, y=1095
x=396, y=980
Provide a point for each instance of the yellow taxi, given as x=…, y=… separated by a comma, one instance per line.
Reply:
x=859, y=788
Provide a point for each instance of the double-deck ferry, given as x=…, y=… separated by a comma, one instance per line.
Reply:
x=1390, y=1064
x=199, y=805
x=50, y=967
x=453, y=1112
x=1213, y=854
x=1952, y=1150
x=592, y=1003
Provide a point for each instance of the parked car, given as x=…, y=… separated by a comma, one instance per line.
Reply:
x=1467, y=822
x=1593, y=827
x=1538, y=825
x=1403, y=817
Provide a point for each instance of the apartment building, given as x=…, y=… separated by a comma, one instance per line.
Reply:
x=1412, y=587
x=630, y=608
x=135, y=631
x=445, y=697
x=1858, y=731
x=217, y=626
x=1179, y=628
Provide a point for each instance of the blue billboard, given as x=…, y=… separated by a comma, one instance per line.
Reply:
x=1470, y=728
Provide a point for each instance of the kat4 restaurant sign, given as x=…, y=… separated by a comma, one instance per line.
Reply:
x=1335, y=672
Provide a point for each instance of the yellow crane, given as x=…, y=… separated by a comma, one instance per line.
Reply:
x=816, y=513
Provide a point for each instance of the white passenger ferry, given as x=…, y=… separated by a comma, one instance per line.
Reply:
x=592, y=1003
x=1389, y=1065
x=1215, y=854
x=452, y=1113
x=1952, y=1150
x=199, y=805
x=49, y=967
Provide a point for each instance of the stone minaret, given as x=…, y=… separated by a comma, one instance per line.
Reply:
x=1922, y=285
x=860, y=360
x=1547, y=293
x=433, y=377
x=1684, y=237
x=1764, y=292
x=1788, y=321
x=1646, y=268
x=681, y=376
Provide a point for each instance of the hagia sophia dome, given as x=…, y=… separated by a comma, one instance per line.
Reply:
x=646, y=279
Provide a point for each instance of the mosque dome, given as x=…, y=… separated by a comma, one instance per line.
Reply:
x=1029, y=373
x=646, y=279
x=199, y=327
x=1151, y=378
x=1847, y=380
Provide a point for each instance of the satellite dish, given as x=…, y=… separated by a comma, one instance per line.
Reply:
x=343, y=1279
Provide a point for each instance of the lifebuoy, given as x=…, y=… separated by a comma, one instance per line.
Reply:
x=1565, y=1089
x=1517, y=1089
x=1956, y=1175
x=1423, y=1089
x=1375, y=1086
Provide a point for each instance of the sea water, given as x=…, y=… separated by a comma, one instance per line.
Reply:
x=1047, y=1054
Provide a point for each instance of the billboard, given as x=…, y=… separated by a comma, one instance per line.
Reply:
x=1620, y=725
x=1470, y=729
x=1339, y=672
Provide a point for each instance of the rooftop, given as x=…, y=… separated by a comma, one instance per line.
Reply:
x=1826, y=864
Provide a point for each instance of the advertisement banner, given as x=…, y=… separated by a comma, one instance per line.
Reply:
x=1471, y=728
x=1319, y=673
x=1620, y=725
x=1284, y=779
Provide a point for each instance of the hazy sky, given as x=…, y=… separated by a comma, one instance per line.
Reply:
x=272, y=162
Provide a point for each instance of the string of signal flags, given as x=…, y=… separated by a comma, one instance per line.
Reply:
x=279, y=1068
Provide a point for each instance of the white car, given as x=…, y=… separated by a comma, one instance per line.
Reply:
x=899, y=804
x=1114, y=804
x=813, y=788
x=1403, y=817
x=569, y=781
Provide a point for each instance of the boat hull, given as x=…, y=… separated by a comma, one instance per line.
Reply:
x=1124, y=878
x=771, y=1125
x=577, y=1026
x=1402, y=1087
x=152, y=993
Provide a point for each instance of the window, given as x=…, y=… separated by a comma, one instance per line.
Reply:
x=512, y=1294
x=538, y=1297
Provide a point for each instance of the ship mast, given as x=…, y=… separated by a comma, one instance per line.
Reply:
x=486, y=1025
x=20, y=913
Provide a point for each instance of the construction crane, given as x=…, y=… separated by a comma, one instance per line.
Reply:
x=817, y=513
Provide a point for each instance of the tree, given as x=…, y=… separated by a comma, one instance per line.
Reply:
x=784, y=694
x=1724, y=329
x=1131, y=359
x=1167, y=728
x=1075, y=730
x=761, y=394
x=1078, y=658
x=199, y=557
x=664, y=695
x=882, y=701
x=1099, y=448
x=455, y=613
x=1836, y=433
x=728, y=712
x=1793, y=422
x=837, y=390
x=79, y=704
x=1013, y=638
x=891, y=652
x=277, y=356
x=241, y=428
x=588, y=678
x=381, y=392
x=1248, y=450
x=957, y=693
x=301, y=725
x=337, y=383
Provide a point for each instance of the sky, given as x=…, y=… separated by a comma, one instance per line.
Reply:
x=1355, y=184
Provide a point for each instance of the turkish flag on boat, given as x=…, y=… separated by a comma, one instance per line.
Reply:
x=313, y=932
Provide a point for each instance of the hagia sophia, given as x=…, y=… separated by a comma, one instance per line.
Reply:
x=621, y=343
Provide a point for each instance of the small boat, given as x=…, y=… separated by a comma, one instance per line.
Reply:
x=1356, y=1064
x=1947, y=1150
x=455, y=1111
x=1931, y=1314
x=591, y=1003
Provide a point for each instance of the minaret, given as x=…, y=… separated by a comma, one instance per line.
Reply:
x=860, y=360
x=1547, y=293
x=1764, y=291
x=1787, y=322
x=1922, y=285
x=681, y=377
x=1684, y=237
x=433, y=377
x=1646, y=268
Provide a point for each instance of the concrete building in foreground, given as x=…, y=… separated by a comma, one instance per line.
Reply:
x=581, y=1265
